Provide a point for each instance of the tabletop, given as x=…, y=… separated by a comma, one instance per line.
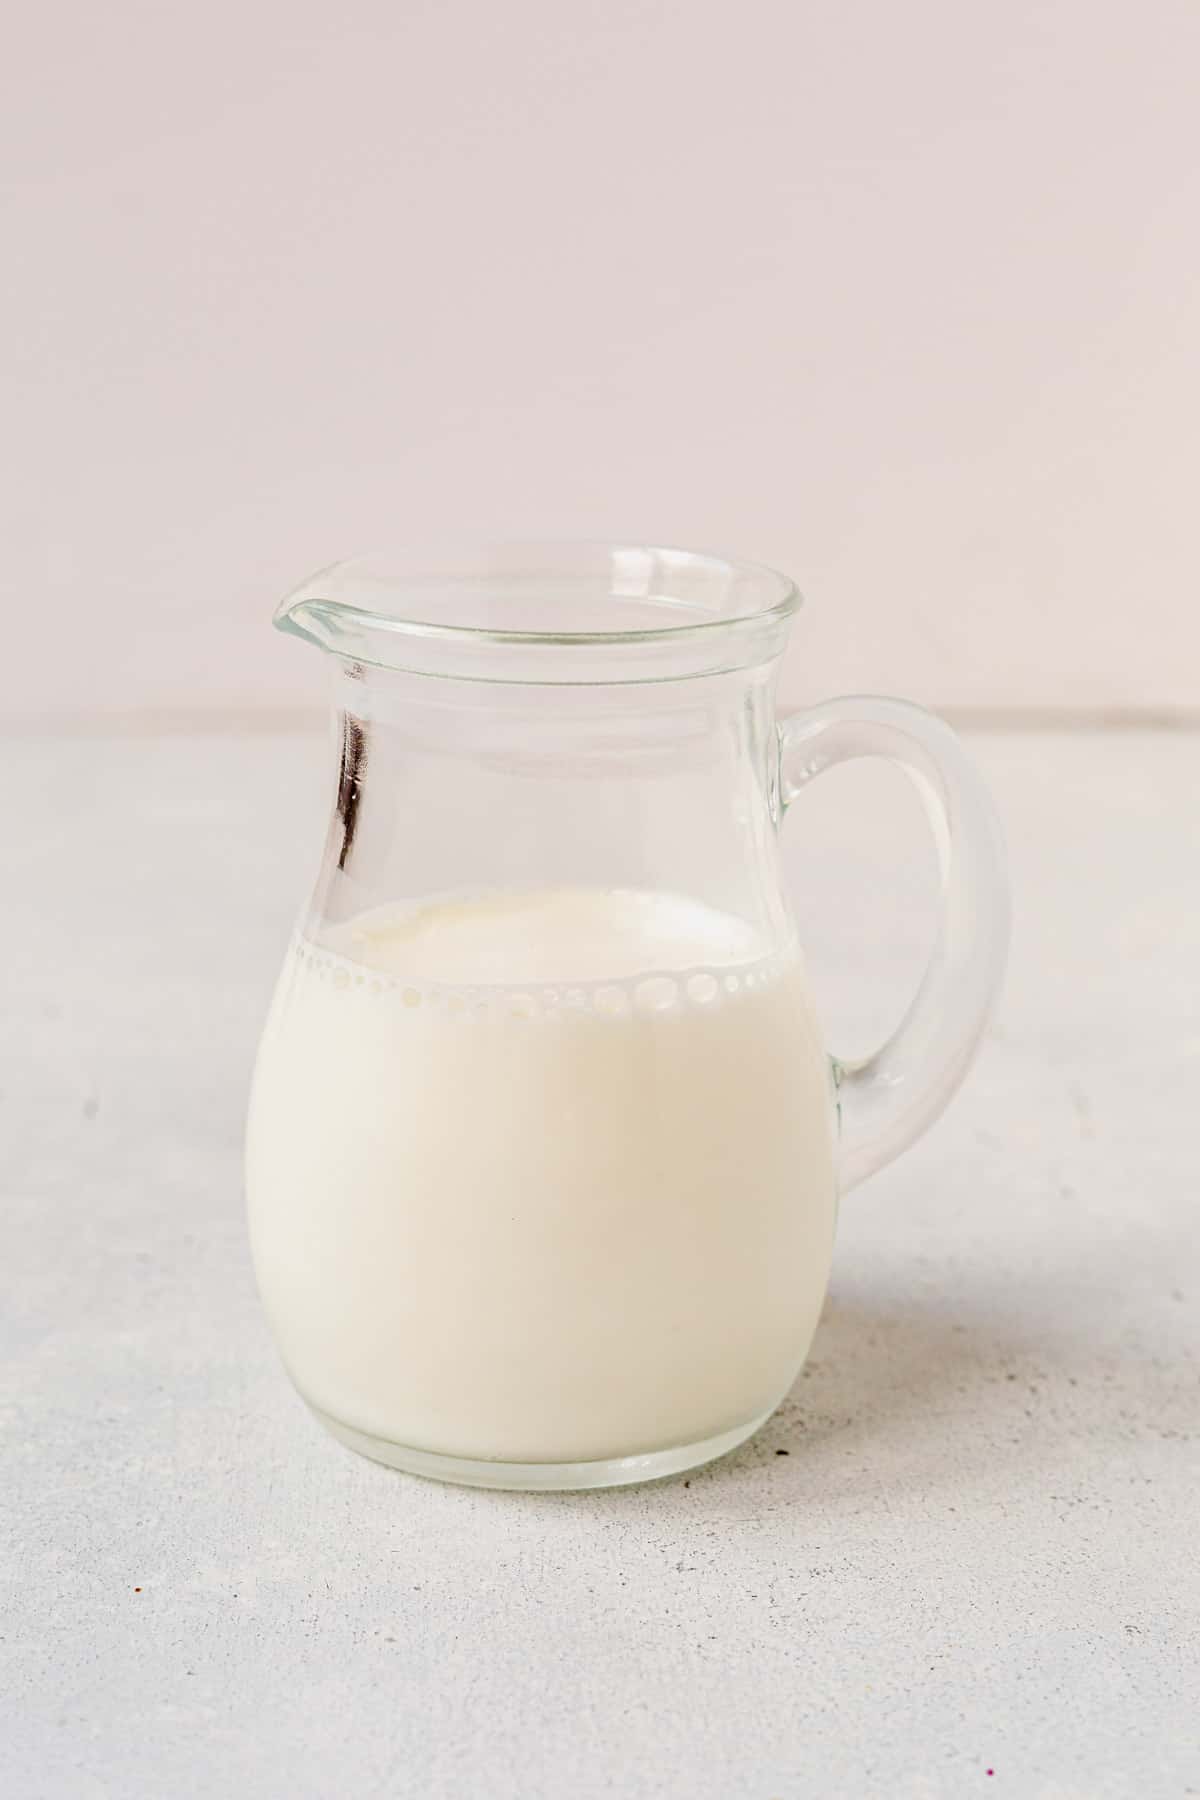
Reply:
x=960, y=1559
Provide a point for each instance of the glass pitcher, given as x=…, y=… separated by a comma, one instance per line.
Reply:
x=544, y=1145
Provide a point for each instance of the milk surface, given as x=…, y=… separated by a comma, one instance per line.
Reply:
x=542, y=1177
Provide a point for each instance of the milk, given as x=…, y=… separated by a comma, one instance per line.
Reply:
x=542, y=1177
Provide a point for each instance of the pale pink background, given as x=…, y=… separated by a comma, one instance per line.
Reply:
x=902, y=297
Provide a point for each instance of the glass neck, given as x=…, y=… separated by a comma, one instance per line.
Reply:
x=449, y=786
x=474, y=714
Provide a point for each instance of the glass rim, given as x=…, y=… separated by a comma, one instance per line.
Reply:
x=781, y=598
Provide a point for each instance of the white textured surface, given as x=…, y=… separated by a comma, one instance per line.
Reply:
x=979, y=1552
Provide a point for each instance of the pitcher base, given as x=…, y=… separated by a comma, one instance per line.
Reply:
x=535, y=1477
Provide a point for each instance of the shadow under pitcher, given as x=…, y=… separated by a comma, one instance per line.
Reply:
x=544, y=1144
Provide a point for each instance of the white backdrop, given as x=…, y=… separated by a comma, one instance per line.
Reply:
x=902, y=298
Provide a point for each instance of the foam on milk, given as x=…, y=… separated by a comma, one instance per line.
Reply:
x=542, y=1177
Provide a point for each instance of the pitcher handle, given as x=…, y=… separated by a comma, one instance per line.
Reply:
x=886, y=1100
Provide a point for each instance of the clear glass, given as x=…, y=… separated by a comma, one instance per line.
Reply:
x=544, y=1144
